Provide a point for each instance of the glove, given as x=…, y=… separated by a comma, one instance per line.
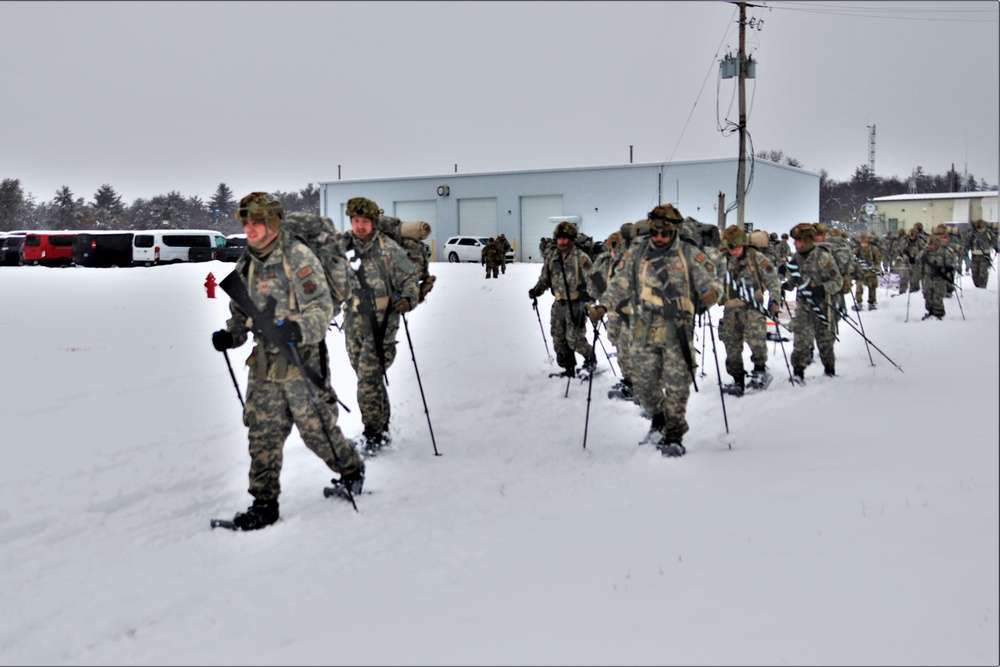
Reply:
x=758, y=295
x=288, y=332
x=818, y=292
x=912, y=260
x=597, y=314
x=787, y=286
x=532, y=294
x=708, y=296
x=846, y=287
x=584, y=296
x=222, y=340
x=782, y=270
x=773, y=309
x=402, y=305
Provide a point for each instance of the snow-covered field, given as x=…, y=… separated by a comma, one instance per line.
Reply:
x=850, y=521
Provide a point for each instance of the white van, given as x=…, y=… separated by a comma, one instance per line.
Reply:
x=165, y=246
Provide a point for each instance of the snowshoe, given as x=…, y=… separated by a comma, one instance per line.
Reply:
x=671, y=449
x=733, y=389
x=871, y=306
x=759, y=380
x=373, y=444
x=777, y=337
x=567, y=373
x=259, y=515
x=857, y=307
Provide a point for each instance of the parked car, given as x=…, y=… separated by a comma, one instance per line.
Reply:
x=48, y=248
x=103, y=248
x=166, y=246
x=235, y=244
x=467, y=249
x=10, y=248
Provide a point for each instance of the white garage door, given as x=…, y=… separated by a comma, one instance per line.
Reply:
x=535, y=225
x=477, y=217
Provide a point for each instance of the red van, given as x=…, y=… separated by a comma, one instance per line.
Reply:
x=48, y=248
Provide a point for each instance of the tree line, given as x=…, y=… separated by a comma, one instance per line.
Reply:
x=841, y=203
x=107, y=210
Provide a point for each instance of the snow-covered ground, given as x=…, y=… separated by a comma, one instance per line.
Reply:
x=850, y=521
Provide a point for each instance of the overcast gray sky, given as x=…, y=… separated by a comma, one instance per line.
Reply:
x=151, y=97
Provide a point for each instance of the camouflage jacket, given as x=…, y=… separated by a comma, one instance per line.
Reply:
x=660, y=286
x=569, y=279
x=757, y=272
x=938, y=261
x=294, y=277
x=388, y=274
x=492, y=254
x=871, y=256
x=842, y=252
x=908, y=249
x=819, y=267
x=981, y=242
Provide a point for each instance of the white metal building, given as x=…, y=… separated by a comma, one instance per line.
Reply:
x=524, y=205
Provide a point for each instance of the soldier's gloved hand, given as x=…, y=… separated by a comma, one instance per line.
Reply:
x=709, y=297
x=222, y=340
x=758, y=295
x=773, y=309
x=402, y=304
x=597, y=314
x=532, y=294
x=818, y=292
x=289, y=332
x=782, y=270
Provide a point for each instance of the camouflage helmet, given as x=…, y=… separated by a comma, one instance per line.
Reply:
x=820, y=228
x=902, y=232
x=804, y=232
x=665, y=217
x=980, y=224
x=734, y=237
x=940, y=230
x=864, y=238
x=262, y=207
x=613, y=241
x=366, y=208
x=919, y=226
x=566, y=230
x=641, y=227
x=627, y=232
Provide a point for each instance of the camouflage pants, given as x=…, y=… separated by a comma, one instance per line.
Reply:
x=934, y=291
x=909, y=276
x=373, y=397
x=870, y=281
x=739, y=326
x=807, y=329
x=493, y=269
x=662, y=382
x=620, y=335
x=569, y=336
x=980, y=270
x=271, y=410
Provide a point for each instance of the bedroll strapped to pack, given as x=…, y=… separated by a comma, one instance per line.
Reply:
x=411, y=235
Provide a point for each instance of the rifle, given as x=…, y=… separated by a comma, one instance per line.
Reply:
x=366, y=306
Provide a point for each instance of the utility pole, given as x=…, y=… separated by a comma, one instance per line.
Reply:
x=742, y=86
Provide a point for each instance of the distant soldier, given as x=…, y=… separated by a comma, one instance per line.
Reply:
x=938, y=263
x=749, y=273
x=981, y=242
x=491, y=258
x=662, y=277
x=814, y=273
x=566, y=271
x=505, y=247
x=605, y=268
x=870, y=260
x=909, y=249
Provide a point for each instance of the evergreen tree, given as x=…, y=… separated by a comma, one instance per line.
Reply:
x=222, y=205
x=13, y=207
x=106, y=199
x=64, y=210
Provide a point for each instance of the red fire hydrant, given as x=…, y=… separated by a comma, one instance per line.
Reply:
x=210, y=286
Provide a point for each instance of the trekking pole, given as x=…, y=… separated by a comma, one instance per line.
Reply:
x=319, y=413
x=781, y=340
x=596, y=338
x=590, y=387
x=233, y=375
x=718, y=373
x=959, y=299
x=701, y=316
x=534, y=304
x=857, y=309
x=851, y=323
x=908, y=293
x=419, y=383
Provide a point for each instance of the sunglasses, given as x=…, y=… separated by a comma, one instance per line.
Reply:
x=664, y=233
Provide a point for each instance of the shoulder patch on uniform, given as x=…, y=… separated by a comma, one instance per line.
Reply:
x=699, y=257
x=308, y=286
x=304, y=272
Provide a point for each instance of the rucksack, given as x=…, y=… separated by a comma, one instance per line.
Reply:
x=411, y=235
x=321, y=236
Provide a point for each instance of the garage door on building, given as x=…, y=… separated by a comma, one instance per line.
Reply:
x=477, y=217
x=535, y=225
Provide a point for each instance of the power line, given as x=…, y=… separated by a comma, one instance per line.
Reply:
x=867, y=11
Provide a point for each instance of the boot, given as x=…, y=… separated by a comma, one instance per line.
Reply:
x=799, y=376
x=259, y=515
x=375, y=441
x=589, y=365
x=829, y=371
x=759, y=378
x=737, y=386
x=353, y=481
x=655, y=435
